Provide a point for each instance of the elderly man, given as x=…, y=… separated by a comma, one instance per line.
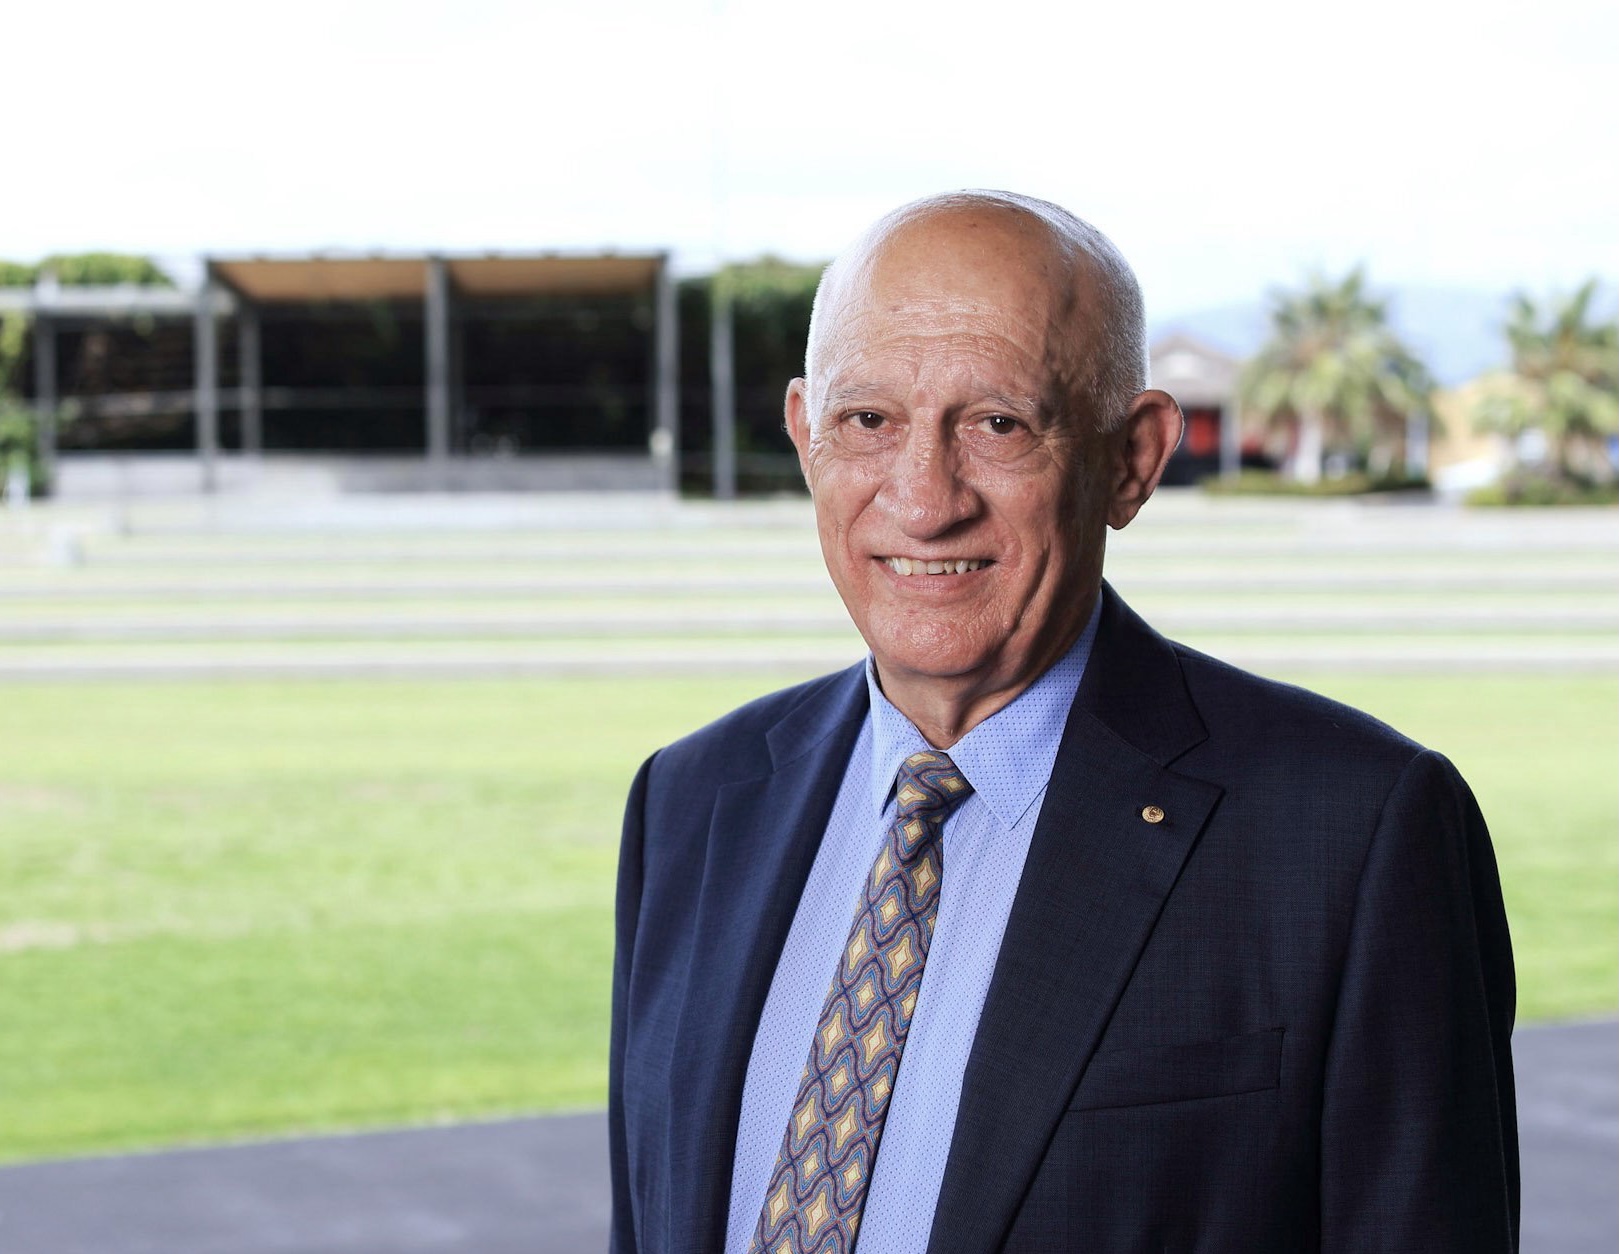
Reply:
x=1035, y=931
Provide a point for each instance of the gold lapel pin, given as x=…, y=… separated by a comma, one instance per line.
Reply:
x=1152, y=814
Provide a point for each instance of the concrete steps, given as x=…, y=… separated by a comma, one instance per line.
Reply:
x=502, y=586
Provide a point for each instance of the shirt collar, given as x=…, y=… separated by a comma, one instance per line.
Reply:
x=1008, y=757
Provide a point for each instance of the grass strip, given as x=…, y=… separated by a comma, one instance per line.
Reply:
x=244, y=908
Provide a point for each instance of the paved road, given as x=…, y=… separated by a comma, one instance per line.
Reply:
x=1568, y=1111
x=537, y=1186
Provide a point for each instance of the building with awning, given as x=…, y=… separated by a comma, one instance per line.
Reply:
x=1204, y=380
x=471, y=383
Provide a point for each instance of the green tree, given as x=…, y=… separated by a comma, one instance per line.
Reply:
x=86, y=270
x=770, y=302
x=19, y=420
x=1563, y=382
x=18, y=437
x=1335, y=377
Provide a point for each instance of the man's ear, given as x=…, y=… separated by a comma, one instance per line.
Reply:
x=798, y=422
x=1150, y=433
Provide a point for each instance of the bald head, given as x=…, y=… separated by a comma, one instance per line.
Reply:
x=985, y=245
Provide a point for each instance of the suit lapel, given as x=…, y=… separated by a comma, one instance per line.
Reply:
x=762, y=841
x=1094, y=883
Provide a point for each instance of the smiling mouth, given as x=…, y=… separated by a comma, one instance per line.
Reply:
x=935, y=566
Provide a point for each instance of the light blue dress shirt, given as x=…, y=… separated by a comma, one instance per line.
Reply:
x=1007, y=758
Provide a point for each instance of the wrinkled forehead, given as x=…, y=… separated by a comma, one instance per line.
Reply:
x=953, y=273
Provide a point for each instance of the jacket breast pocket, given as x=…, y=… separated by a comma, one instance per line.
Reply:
x=1152, y=1074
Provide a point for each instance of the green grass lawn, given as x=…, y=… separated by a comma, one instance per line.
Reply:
x=240, y=908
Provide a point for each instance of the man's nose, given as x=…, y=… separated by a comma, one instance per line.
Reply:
x=927, y=489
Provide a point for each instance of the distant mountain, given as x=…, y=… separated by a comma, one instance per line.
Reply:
x=1456, y=331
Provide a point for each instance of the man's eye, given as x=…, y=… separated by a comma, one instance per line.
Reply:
x=1000, y=424
x=866, y=420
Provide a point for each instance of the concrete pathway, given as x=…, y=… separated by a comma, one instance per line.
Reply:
x=522, y=1186
x=1568, y=1112
x=538, y=1186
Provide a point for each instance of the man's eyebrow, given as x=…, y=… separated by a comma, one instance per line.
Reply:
x=1026, y=404
x=848, y=394
x=851, y=394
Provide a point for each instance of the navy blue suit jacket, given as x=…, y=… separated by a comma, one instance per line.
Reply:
x=1277, y=1020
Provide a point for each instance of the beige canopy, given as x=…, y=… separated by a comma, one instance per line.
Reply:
x=277, y=280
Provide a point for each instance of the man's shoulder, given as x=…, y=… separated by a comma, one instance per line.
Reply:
x=1245, y=718
x=1285, y=720
x=738, y=745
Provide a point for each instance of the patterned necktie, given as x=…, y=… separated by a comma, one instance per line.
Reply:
x=818, y=1187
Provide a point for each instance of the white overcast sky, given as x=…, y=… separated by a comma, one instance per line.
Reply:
x=1225, y=146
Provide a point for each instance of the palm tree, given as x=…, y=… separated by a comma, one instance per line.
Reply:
x=1336, y=376
x=1563, y=382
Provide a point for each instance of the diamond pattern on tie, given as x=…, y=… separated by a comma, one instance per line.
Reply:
x=818, y=1187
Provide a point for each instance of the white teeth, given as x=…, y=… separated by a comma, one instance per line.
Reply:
x=945, y=566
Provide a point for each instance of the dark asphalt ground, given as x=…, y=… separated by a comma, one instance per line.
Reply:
x=539, y=1185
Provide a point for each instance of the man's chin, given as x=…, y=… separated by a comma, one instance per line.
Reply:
x=913, y=662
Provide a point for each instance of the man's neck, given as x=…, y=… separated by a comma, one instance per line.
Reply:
x=943, y=715
x=944, y=708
